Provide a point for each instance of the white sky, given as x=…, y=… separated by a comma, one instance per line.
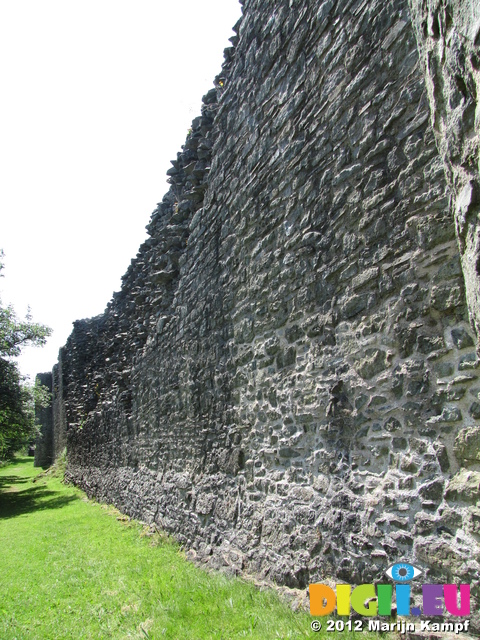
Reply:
x=96, y=97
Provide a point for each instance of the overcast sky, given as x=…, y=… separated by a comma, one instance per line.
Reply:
x=96, y=99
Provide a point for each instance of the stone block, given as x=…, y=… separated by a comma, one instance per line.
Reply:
x=467, y=445
x=464, y=486
x=374, y=362
x=461, y=339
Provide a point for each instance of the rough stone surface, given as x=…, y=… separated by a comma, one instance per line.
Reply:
x=467, y=445
x=287, y=380
x=44, y=451
x=448, y=34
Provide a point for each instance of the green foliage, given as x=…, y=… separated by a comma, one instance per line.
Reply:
x=16, y=334
x=17, y=397
x=15, y=414
x=74, y=569
x=41, y=395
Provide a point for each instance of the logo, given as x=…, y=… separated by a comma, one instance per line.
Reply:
x=371, y=600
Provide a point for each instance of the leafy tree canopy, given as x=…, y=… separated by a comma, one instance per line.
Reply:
x=16, y=334
x=17, y=397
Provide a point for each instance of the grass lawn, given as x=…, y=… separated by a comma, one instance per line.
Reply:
x=71, y=569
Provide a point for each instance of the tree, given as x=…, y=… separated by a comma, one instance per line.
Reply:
x=17, y=397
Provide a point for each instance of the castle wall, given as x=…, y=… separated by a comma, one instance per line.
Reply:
x=287, y=380
x=44, y=418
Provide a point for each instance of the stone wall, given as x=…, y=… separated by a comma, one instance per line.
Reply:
x=44, y=451
x=287, y=380
x=448, y=35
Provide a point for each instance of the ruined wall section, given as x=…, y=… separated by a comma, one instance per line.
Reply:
x=44, y=419
x=59, y=407
x=284, y=380
x=106, y=418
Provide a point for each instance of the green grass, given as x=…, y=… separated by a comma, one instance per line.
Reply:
x=73, y=569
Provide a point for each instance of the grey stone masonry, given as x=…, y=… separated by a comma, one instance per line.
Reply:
x=287, y=380
x=44, y=454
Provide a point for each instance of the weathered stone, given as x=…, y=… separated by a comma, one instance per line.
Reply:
x=427, y=344
x=465, y=485
x=450, y=57
x=474, y=410
x=450, y=518
x=425, y=524
x=44, y=444
x=446, y=298
x=399, y=443
x=467, y=445
x=392, y=424
x=292, y=334
x=442, y=456
x=468, y=361
x=449, y=414
x=354, y=305
x=374, y=362
x=286, y=357
x=461, y=339
x=432, y=490
x=472, y=519
x=439, y=553
x=444, y=369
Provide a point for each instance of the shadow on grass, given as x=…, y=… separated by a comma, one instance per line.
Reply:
x=15, y=503
x=8, y=480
